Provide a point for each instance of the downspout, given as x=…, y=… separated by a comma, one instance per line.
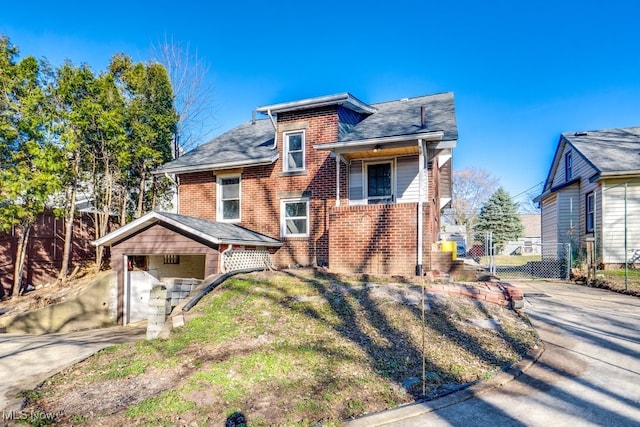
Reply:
x=421, y=150
x=275, y=129
x=338, y=160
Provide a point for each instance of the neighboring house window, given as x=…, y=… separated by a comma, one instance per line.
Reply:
x=590, y=213
x=379, y=182
x=568, y=166
x=294, y=151
x=295, y=218
x=228, y=197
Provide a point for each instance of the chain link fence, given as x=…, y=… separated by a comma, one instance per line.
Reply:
x=548, y=261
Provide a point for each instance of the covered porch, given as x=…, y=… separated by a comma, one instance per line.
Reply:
x=389, y=192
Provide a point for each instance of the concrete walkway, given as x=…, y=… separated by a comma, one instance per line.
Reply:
x=588, y=374
x=27, y=360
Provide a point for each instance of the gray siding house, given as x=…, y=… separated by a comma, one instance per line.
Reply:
x=592, y=193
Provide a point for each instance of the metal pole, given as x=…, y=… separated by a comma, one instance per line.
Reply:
x=626, y=258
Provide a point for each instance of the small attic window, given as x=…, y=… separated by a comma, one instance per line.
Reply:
x=568, y=166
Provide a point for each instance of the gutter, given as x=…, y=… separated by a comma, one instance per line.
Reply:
x=217, y=166
x=435, y=136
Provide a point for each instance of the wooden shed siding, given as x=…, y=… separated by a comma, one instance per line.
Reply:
x=159, y=240
x=613, y=201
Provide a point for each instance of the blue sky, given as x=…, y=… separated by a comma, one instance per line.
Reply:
x=522, y=72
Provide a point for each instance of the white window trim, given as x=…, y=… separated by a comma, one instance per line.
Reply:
x=283, y=218
x=365, y=178
x=285, y=151
x=219, y=207
x=568, y=166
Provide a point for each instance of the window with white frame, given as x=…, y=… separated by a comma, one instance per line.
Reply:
x=294, y=151
x=379, y=182
x=568, y=166
x=590, y=213
x=295, y=218
x=228, y=197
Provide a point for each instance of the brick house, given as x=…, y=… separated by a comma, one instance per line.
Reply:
x=328, y=181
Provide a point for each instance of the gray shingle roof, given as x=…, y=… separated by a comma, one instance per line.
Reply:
x=609, y=150
x=398, y=118
x=252, y=142
x=214, y=232
x=247, y=144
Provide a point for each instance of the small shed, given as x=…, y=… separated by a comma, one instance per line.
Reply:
x=163, y=245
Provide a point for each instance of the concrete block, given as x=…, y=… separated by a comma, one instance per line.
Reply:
x=186, y=287
x=178, y=321
x=157, y=302
x=156, y=318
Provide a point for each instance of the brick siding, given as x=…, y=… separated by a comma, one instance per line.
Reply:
x=376, y=239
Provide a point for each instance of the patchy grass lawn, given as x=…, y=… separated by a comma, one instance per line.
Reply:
x=617, y=280
x=296, y=347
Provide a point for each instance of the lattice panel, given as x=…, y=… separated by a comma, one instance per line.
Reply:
x=239, y=259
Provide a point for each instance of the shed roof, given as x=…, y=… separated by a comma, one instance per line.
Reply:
x=213, y=232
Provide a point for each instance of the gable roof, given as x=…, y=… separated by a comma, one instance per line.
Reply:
x=252, y=143
x=610, y=152
x=209, y=231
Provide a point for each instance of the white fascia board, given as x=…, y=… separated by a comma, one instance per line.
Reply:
x=346, y=145
x=339, y=99
x=218, y=166
x=128, y=229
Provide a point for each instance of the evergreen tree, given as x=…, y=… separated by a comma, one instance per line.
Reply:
x=31, y=162
x=500, y=216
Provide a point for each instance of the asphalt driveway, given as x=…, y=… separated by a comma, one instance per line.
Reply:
x=589, y=373
x=27, y=360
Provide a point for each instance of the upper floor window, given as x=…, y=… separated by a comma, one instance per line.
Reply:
x=379, y=182
x=295, y=218
x=294, y=151
x=568, y=166
x=590, y=212
x=228, y=197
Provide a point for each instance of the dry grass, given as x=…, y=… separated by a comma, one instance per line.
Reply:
x=292, y=348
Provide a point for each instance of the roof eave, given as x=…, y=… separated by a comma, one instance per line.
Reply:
x=434, y=136
x=614, y=175
x=339, y=99
x=218, y=166
x=155, y=217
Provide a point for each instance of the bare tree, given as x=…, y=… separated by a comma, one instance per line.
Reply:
x=193, y=92
x=472, y=187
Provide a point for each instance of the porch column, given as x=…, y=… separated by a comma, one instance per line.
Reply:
x=338, y=160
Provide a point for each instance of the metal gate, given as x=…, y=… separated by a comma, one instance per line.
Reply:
x=548, y=261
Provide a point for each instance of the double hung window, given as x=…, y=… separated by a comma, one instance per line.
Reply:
x=229, y=198
x=294, y=151
x=590, y=213
x=568, y=166
x=295, y=218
